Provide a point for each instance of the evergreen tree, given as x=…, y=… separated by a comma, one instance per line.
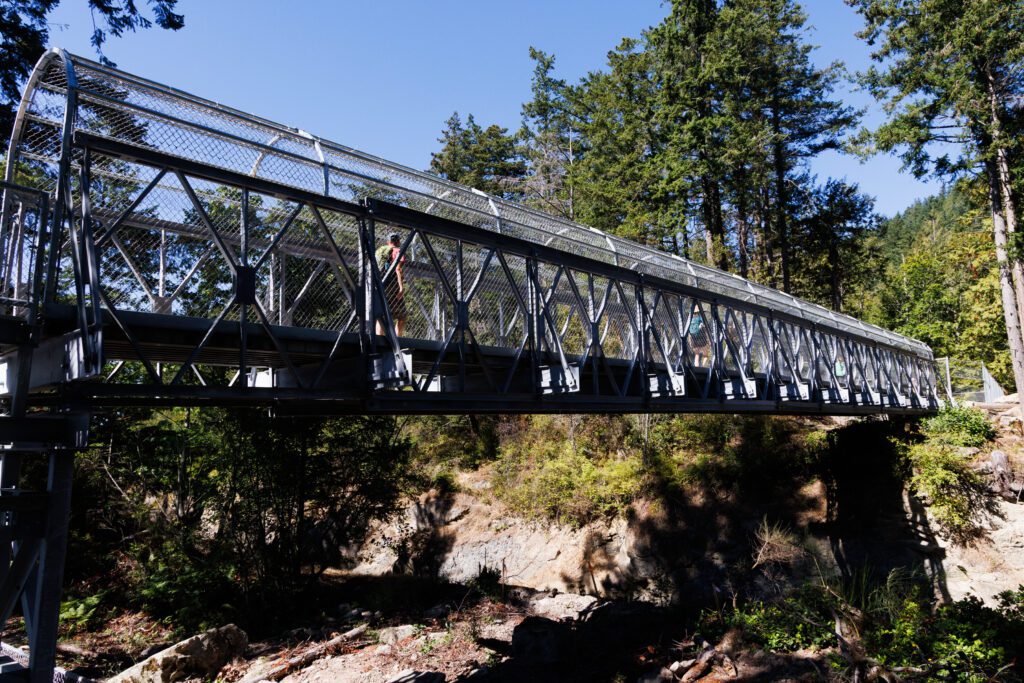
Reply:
x=623, y=185
x=687, y=112
x=832, y=231
x=483, y=158
x=25, y=33
x=789, y=97
x=949, y=71
x=548, y=140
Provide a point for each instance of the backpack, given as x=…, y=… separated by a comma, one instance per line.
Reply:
x=385, y=255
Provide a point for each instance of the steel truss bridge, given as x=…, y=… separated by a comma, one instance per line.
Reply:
x=157, y=248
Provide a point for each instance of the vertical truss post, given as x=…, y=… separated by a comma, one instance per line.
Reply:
x=62, y=205
x=88, y=269
x=643, y=340
x=364, y=303
x=461, y=312
x=816, y=362
x=242, y=273
x=49, y=573
x=717, y=368
x=535, y=330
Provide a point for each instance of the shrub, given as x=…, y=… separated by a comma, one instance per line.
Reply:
x=191, y=592
x=487, y=583
x=957, y=426
x=776, y=544
x=566, y=486
x=962, y=641
x=700, y=433
x=957, y=495
x=803, y=620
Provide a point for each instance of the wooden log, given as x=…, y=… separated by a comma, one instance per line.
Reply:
x=303, y=659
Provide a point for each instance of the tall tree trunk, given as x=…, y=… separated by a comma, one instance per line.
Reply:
x=766, y=266
x=714, y=229
x=742, y=226
x=836, y=290
x=1005, y=186
x=1010, y=308
x=779, y=162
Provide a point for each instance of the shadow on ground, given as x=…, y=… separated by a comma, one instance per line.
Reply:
x=694, y=548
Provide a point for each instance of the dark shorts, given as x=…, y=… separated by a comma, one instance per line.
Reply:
x=396, y=303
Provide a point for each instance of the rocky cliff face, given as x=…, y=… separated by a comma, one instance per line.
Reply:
x=463, y=535
x=665, y=552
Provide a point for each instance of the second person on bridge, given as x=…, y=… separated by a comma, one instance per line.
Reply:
x=394, y=285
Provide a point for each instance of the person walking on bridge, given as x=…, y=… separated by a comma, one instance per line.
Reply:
x=394, y=286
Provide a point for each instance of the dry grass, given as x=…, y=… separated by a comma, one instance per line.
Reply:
x=776, y=545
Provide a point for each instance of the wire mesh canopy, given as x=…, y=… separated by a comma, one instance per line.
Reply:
x=150, y=116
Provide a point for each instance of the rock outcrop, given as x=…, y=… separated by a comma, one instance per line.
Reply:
x=459, y=536
x=200, y=656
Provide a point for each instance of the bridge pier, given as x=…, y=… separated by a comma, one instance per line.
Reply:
x=34, y=523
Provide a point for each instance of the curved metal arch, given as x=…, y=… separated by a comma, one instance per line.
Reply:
x=26, y=96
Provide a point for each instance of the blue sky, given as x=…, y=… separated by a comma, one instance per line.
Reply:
x=383, y=76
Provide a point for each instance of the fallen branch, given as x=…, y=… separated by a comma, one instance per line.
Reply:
x=702, y=666
x=303, y=659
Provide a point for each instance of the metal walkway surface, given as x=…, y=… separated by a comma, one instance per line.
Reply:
x=159, y=248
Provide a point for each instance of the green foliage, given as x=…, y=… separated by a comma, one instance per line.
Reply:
x=465, y=440
x=803, y=620
x=487, y=582
x=564, y=485
x=957, y=495
x=483, y=158
x=962, y=93
x=190, y=591
x=694, y=138
x=939, y=280
x=959, y=426
x=81, y=613
x=228, y=503
x=579, y=468
x=961, y=641
x=707, y=433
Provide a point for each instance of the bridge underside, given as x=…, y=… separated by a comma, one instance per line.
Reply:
x=161, y=249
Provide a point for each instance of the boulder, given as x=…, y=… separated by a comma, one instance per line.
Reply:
x=395, y=634
x=1000, y=474
x=562, y=606
x=1010, y=421
x=200, y=656
x=437, y=612
x=537, y=640
x=682, y=666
